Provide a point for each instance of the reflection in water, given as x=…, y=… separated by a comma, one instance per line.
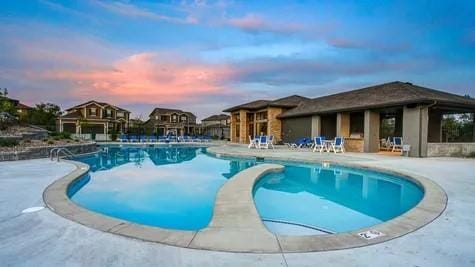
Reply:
x=169, y=187
x=335, y=199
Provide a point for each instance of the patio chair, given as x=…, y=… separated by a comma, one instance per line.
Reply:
x=338, y=145
x=263, y=142
x=162, y=139
x=397, y=144
x=318, y=145
x=133, y=138
x=271, y=141
x=302, y=142
x=152, y=138
x=252, y=142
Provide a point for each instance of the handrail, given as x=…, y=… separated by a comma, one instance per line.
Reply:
x=58, y=150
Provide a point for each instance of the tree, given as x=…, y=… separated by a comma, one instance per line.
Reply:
x=6, y=105
x=44, y=114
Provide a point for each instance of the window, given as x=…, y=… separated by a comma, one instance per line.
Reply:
x=93, y=111
x=183, y=118
x=108, y=113
x=261, y=116
x=174, y=118
x=164, y=118
x=120, y=114
x=156, y=117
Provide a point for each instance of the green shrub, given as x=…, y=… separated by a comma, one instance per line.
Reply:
x=59, y=136
x=50, y=142
x=8, y=142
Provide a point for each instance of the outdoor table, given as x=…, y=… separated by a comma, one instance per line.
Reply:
x=328, y=145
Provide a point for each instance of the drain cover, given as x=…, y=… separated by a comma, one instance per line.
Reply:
x=370, y=234
x=32, y=209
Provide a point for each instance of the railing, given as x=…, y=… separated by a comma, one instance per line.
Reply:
x=58, y=150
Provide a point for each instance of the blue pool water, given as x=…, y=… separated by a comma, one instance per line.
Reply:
x=169, y=187
x=175, y=188
x=333, y=198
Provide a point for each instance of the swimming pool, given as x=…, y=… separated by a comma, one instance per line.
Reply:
x=331, y=199
x=175, y=187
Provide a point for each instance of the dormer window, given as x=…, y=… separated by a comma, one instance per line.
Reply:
x=93, y=111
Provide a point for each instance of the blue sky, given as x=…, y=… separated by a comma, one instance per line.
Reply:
x=204, y=56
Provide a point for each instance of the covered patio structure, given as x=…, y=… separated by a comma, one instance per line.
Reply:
x=365, y=116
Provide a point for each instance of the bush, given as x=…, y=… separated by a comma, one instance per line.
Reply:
x=8, y=142
x=50, y=142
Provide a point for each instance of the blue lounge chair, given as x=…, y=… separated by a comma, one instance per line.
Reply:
x=338, y=145
x=318, y=144
x=133, y=138
x=123, y=138
x=152, y=138
x=397, y=144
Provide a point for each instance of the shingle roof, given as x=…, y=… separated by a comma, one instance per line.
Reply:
x=100, y=103
x=217, y=117
x=72, y=115
x=383, y=95
x=289, y=101
x=170, y=110
x=22, y=106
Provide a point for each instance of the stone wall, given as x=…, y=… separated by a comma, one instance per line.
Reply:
x=354, y=144
x=43, y=152
x=451, y=149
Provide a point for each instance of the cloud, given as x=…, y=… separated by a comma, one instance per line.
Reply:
x=130, y=10
x=253, y=23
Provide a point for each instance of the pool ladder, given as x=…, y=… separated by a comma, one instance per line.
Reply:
x=56, y=152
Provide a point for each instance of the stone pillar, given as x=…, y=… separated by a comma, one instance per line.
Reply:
x=415, y=129
x=316, y=126
x=274, y=125
x=243, y=127
x=232, y=129
x=371, y=131
x=343, y=124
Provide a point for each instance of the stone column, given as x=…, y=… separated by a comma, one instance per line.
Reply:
x=232, y=129
x=415, y=129
x=243, y=127
x=274, y=125
x=316, y=126
x=343, y=124
x=371, y=131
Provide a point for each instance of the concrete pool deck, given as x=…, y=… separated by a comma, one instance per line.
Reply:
x=43, y=238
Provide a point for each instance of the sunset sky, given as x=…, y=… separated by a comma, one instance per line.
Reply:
x=204, y=56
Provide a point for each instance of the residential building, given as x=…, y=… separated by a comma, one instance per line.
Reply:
x=216, y=126
x=94, y=117
x=163, y=121
x=260, y=117
x=20, y=108
x=411, y=111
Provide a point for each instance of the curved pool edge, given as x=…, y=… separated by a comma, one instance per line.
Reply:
x=428, y=209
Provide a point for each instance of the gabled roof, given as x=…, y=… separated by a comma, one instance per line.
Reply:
x=72, y=115
x=22, y=106
x=287, y=102
x=217, y=117
x=170, y=110
x=101, y=104
x=383, y=95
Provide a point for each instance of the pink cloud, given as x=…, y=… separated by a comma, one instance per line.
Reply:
x=146, y=78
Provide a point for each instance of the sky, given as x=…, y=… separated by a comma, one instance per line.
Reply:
x=204, y=56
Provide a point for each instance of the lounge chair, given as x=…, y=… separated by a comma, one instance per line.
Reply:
x=123, y=138
x=318, y=145
x=397, y=144
x=302, y=142
x=152, y=139
x=162, y=139
x=133, y=138
x=338, y=145
x=271, y=141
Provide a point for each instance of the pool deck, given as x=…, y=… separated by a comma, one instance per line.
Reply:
x=45, y=239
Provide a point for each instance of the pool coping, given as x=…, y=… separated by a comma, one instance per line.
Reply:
x=242, y=232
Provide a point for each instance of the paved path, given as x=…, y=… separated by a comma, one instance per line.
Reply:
x=46, y=239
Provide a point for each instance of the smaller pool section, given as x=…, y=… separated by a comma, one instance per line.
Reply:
x=331, y=199
x=169, y=187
